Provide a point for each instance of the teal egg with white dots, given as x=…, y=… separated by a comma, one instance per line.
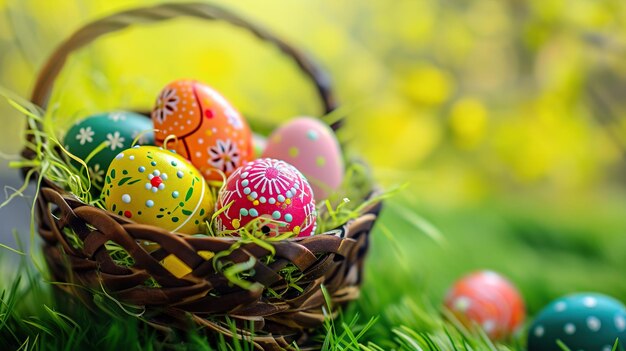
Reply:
x=117, y=129
x=582, y=322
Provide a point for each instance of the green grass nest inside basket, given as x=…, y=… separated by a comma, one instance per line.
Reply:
x=54, y=163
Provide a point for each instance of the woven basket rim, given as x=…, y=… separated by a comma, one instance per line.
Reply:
x=71, y=197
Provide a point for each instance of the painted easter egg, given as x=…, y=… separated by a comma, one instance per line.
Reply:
x=270, y=189
x=118, y=129
x=488, y=300
x=311, y=146
x=155, y=186
x=584, y=321
x=210, y=132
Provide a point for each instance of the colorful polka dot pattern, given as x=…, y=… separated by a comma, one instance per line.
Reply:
x=489, y=300
x=155, y=186
x=585, y=321
x=210, y=132
x=272, y=189
x=311, y=146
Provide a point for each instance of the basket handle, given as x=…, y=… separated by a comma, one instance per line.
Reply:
x=121, y=20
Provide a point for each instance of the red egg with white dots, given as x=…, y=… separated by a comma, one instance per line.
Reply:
x=488, y=300
x=270, y=189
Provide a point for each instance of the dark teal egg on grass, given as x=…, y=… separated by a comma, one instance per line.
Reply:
x=582, y=322
x=117, y=129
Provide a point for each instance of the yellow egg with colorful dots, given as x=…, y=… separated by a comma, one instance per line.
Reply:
x=155, y=186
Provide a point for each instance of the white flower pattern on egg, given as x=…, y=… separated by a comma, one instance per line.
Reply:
x=224, y=156
x=140, y=136
x=96, y=173
x=115, y=140
x=117, y=116
x=85, y=135
x=268, y=174
x=114, y=129
x=167, y=104
x=156, y=181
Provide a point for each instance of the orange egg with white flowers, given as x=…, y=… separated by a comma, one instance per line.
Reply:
x=204, y=127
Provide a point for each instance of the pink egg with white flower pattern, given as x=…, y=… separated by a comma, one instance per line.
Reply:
x=311, y=146
x=270, y=189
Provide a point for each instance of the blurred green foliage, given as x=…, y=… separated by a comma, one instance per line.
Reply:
x=465, y=98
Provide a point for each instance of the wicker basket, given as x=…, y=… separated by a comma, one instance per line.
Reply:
x=204, y=296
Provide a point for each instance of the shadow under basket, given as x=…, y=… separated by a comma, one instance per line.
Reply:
x=205, y=297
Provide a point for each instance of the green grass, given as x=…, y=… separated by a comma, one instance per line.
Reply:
x=547, y=250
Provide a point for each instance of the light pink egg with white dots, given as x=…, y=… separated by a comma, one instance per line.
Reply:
x=271, y=189
x=312, y=147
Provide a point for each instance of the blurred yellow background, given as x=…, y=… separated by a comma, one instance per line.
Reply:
x=464, y=99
